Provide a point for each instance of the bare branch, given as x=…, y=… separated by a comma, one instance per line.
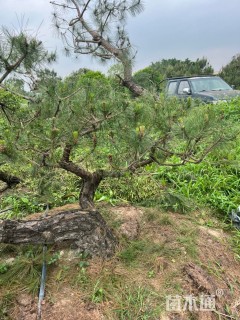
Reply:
x=85, y=8
x=63, y=5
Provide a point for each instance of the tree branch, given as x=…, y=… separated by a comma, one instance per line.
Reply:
x=67, y=164
x=17, y=94
x=95, y=37
x=13, y=67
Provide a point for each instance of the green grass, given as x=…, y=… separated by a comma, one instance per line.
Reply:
x=136, y=302
x=187, y=237
x=141, y=251
x=7, y=301
x=25, y=271
x=235, y=242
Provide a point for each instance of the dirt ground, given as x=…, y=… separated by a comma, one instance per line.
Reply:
x=213, y=272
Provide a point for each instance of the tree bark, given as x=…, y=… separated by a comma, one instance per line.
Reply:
x=87, y=192
x=84, y=230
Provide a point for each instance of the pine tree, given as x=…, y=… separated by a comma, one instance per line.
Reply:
x=231, y=72
x=97, y=28
x=21, y=56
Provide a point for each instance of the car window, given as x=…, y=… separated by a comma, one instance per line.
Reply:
x=172, y=87
x=183, y=84
x=209, y=84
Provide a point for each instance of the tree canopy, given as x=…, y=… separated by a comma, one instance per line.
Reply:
x=231, y=72
x=21, y=53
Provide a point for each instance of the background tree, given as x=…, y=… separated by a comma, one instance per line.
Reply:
x=153, y=75
x=8, y=105
x=231, y=72
x=21, y=56
x=21, y=53
x=97, y=28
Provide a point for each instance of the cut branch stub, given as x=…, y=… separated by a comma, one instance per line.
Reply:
x=10, y=180
x=84, y=230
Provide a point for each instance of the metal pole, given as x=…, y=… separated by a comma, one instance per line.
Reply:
x=43, y=282
x=43, y=278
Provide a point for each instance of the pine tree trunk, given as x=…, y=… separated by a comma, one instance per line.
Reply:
x=87, y=192
x=83, y=230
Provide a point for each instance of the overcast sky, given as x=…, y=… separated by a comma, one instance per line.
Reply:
x=165, y=29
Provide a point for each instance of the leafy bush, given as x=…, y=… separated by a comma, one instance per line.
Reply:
x=208, y=184
x=134, y=189
x=215, y=181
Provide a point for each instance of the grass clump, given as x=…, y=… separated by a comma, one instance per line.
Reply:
x=140, y=303
x=140, y=251
x=25, y=270
x=6, y=302
x=235, y=242
x=187, y=237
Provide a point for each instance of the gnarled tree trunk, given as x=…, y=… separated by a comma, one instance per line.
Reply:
x=87, y=192
x=84, y=230
x=90, y=181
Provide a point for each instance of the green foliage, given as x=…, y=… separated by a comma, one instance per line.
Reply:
x=54, y=258
x=3, y=268
x=21, y=205
x=139, y=252
x=98, y=294
x=145, y=190
x=8, y=100
x=20, y=52
x=136, y=303
x=134, y=189
x=231, y=72
x=206, y=183
x=9, y=104
x=25, y=270
x=209, y=183
x=213, y=182
x=235, y=241
x=5, y=304
x=181, y=129
x=110, y=132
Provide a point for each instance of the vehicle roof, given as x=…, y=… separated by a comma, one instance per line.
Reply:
x=192, y=77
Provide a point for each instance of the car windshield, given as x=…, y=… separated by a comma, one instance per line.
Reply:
x=209, y=84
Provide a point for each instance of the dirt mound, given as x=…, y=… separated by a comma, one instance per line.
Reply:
x=178, y=269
